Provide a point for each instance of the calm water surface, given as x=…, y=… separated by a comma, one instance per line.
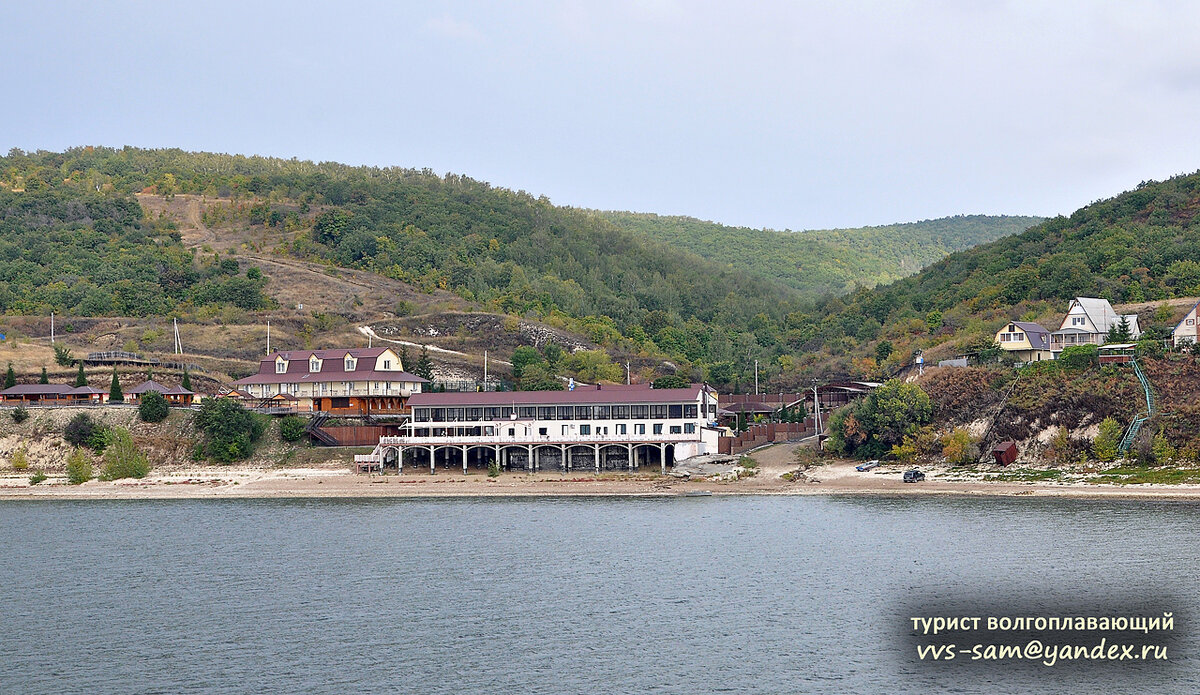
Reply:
x=753, y=594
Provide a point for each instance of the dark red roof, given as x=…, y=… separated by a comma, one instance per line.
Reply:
x=332, y=368
x=155, y=386
x=38, y=390
x=580, y=396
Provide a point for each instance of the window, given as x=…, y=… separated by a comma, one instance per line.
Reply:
x=1191, y=322
x=566, y=430
x=491, y=413
x=620, y=412
x=621, y=429
x=421, y=414
x=542, y=431
x=545, y=413
x=583, y=412
x=280, y=366
x=565, y=412
x=585, y=429
x=512, y=431
x=474, y=413
x=601, y=412
x=639, y=429
x=387, y=364
x=526, y=412
x=658, y=412
x=657, y=429
x=676, y=411
x=690, y=428
x=314, y=365
x=676, y=429
x=712, y=409
x=691, y=411
x=349, y=364
x=639, y=412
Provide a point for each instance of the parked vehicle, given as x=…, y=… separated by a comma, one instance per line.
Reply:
x=864, y=467
x=913, y=476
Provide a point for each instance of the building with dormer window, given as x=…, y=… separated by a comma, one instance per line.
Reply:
x=353, y=381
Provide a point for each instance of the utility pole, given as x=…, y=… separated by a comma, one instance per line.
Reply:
x=268, y=337
x=626, y=373
x=756, y=377
x=51, y=327
x=816, y=407
x=178, y=343
x=485, y=369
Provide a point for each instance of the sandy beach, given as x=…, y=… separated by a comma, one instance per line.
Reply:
x=777, y=474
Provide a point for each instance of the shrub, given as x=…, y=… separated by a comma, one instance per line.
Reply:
x=1079, y=357
x=21, y=414
x=19, y=460
x=871, y=427
x=494, y=469
x=79, y=468
x=672, y=381
x=1108, y=440
x=958, y=448
x=79, y=430
x=100, y=438
x=230, y=430
x=291, y=428
x=38, y=476
x=122, y=459
x=62, y=355
x=152, y=407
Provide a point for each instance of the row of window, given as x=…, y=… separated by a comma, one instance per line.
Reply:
x=1012, y=337
x=562, y=412
x=584, y=430
x=314, y=365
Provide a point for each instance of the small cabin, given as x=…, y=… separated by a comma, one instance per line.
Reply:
x=1005, y=453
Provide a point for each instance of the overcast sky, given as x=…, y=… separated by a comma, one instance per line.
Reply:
x=779, y=114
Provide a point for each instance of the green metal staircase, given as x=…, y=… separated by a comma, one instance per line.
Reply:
x=1140, y=419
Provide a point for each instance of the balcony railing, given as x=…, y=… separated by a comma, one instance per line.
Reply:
x=504, y=440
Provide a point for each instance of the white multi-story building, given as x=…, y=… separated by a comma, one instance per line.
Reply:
x=589, y=428
x=1087, y=322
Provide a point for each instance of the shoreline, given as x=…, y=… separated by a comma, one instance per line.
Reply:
x=838, y=479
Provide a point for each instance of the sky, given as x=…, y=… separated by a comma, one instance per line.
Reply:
x=789, y=115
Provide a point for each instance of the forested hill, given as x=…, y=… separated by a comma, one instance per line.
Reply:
x=1138, y=247
x=825, y=261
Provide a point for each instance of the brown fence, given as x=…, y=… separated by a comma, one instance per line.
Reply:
x=758, y=435
x=360, y=435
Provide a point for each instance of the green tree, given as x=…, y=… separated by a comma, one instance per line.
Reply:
x=671, y=381
x=537, y=377
x=958, y=448
x=62, y=355
x=20, y=414
x=424, y=366
x=1108, y=440
x=79, y=468
x=883, y=350
x=291, y=428
x=523, y=357
x=876, y=423
x=20, y=459
x=186, y=383
x=553, y=353
x=114, y=389
x=44, y=378
x=80, y=378
x=1120, y=332
x=230, y=431
x=10, y=377
x=152, y=407
x=122, y=458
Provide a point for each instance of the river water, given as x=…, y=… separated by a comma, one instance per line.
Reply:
x=680, y=595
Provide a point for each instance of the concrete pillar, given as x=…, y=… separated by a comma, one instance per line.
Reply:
x=464, y=449
x=630, y=459
x=566, y=463
x=662, y=458
x=399, y=460
x=432, y=460
x=531, y=462
x=597, y=458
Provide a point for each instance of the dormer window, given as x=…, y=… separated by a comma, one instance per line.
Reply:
x=387, y=364
x=350, y=362
x=280, y=366
x=314, y=365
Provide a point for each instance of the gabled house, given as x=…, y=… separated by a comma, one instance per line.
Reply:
x=1087, y=322
x=1027, y=342
x=1185, y=332
x=352, y=381
x=175, y=395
